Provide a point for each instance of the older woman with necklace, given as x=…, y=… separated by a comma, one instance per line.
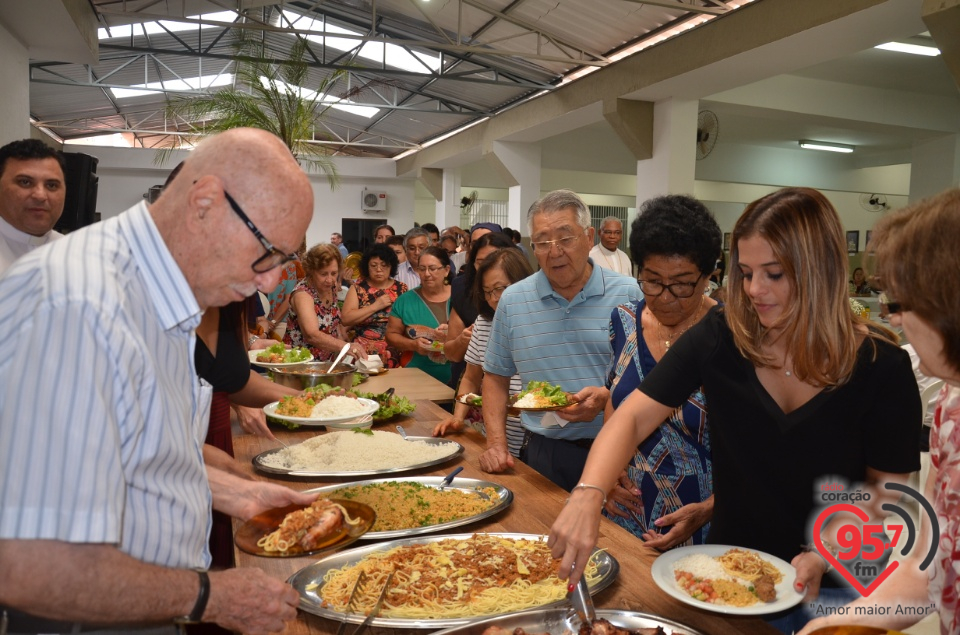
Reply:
x=314, y=318
x=668, y=483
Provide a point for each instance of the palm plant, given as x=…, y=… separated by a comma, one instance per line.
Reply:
x=269, y=95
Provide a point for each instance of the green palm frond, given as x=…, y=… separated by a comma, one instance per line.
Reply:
x=265, y=95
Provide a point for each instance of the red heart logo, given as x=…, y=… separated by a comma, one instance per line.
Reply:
x=829, y=557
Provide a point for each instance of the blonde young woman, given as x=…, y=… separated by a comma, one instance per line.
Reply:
x=314, y=318
x=802, y=392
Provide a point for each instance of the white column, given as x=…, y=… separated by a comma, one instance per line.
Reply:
x=519, y=165
x=15, y=79
x=448, y=207
x=672, y=167
x=935, y=166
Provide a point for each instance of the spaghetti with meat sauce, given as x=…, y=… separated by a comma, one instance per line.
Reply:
x=480, y=575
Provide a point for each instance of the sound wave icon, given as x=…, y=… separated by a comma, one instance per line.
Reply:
x=908, y=521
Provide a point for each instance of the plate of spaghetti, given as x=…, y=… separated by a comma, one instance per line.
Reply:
x=443, y=581
x=416, y=505
x=727, y=579
x=303, y=530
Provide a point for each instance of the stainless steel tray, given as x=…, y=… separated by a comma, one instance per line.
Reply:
x=309, y=581
x=469, y=485
x=258, y=464
x=561, y=621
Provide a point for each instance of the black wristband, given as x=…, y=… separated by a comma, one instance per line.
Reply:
x=202, y=596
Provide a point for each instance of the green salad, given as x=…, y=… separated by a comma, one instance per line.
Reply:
x=390, y=405
x=541, y=394
x=280, y=354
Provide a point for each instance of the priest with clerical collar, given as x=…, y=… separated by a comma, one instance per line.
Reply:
x=606, y=254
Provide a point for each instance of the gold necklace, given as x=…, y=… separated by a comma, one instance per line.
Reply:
x=676, y=336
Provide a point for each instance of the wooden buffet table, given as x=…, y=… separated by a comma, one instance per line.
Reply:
x=536, y=504
x=411, y=383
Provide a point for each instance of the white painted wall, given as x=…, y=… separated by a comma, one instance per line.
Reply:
x=15, y=95
x=127, y=173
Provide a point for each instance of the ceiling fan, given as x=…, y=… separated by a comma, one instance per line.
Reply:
x=708, y=127
x=873, y=202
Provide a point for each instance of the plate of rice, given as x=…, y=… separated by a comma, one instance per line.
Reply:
x=333, y=411
x=727, y=579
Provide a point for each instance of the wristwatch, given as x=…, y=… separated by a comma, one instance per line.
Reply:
x=201, y=605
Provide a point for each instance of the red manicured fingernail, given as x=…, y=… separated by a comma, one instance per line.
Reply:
x=798, y=586
x=569, y=588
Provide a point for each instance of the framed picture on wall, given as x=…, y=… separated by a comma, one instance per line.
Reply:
x=853, y=242
x=726, y=241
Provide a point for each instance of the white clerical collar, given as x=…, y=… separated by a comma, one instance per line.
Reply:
x=13, y=234
x=607, y=251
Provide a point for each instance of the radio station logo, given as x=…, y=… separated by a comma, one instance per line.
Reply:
x=860, y=551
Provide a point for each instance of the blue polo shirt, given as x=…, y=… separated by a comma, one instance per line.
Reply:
x=540, y=336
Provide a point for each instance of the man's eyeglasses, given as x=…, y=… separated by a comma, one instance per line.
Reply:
x=677, y=289
x=896, y=307
x=562, y=244
x=493, y=293
x=274, y=257
x=432, y=270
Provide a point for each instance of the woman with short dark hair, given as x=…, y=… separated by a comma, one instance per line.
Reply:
x=369, y=301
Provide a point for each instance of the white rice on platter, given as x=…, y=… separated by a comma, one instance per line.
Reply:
x=349, y=451
x=337, y=406
x=703, y=567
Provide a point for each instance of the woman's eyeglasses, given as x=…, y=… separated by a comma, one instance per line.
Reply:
x=493, y=293
x=432, y=270
x=677, y=289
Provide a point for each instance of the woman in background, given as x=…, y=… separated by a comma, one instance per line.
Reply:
x=919, y=263
x=499, y=270
x=425, y=311
x=802, y=392
x=668, y=484
x=314, y=318
x=368, y=303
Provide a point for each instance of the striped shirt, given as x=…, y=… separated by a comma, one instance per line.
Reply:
x=103, y=414
x=540, y=335
x=407, y=275
x=474, y=355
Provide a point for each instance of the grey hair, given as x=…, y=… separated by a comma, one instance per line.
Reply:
x=559, y=201
x=608, y=219
x=414, y=233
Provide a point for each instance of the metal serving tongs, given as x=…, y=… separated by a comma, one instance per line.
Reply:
x=376, y=607
x=352, y=602
x=581, y=600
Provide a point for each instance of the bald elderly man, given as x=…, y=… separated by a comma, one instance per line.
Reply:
x=103, y=489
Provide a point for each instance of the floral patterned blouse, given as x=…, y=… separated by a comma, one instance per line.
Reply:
x=372, y=332
x=327, y=316
x=945, y=457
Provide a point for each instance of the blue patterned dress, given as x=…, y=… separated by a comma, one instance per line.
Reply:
x=672, y=467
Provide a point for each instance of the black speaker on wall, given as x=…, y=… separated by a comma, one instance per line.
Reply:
x=80, y=207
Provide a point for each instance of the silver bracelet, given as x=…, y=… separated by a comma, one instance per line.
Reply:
x=582, y=485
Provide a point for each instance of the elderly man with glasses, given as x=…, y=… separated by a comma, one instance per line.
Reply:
x=103, y=488
x=553, y=326
x=414, y=242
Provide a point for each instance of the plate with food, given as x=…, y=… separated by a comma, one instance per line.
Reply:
x=355, y=453
x=727, y=579
x=540, y=396
x=304, y=530
x=565, y=622
x=279, y=356
x=448, y=580
x=416, y=505
x=336, y=408
x=471, y=399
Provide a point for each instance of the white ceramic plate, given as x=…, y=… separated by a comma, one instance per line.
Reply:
x=346, y=422
x=662, y=573
x=253, y=360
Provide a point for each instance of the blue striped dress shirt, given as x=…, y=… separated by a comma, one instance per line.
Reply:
x=103, y=415
x=540, y=335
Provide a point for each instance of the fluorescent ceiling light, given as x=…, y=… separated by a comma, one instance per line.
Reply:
x=156, y=28
x=825, y=146
x=189, y=83
x=915, y=49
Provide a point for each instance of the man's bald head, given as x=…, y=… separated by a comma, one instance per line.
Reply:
x=213, y=246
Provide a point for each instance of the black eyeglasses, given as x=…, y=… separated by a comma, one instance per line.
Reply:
x=274, y=257
x=895, y=307
x=677, y=289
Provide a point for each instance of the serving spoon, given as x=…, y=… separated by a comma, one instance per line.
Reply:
x=340, y=356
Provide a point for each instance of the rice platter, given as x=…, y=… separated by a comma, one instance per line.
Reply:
x=349, y=451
